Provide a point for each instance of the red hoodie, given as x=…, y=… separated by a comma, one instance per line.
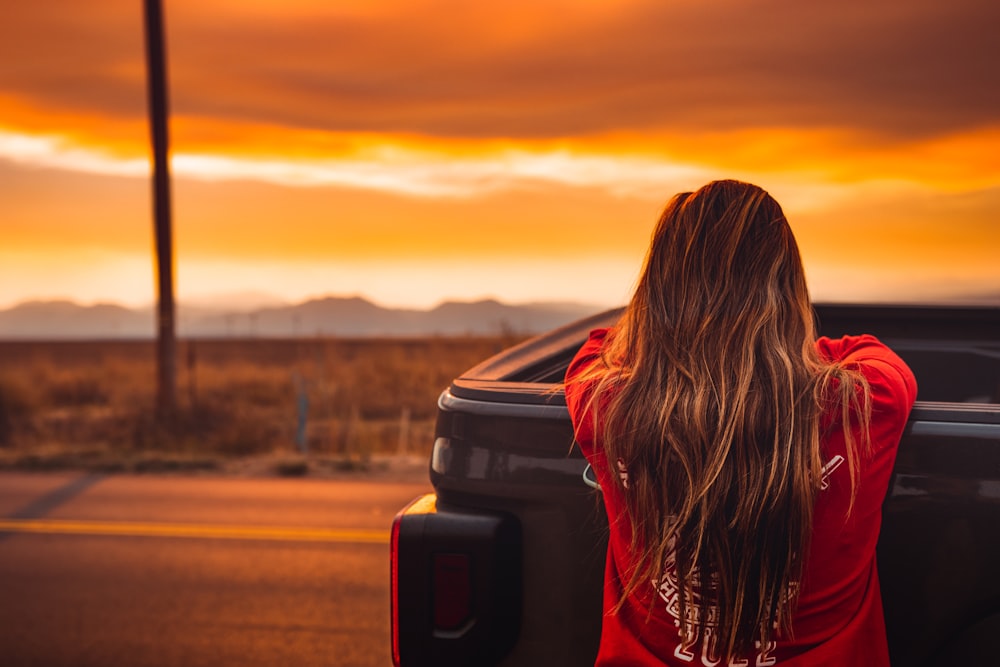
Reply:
x=839, y=618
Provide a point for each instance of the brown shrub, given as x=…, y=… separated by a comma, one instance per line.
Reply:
x=17, y=407
x=235, y=397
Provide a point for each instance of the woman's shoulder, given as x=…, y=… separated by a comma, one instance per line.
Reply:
x=889, y=378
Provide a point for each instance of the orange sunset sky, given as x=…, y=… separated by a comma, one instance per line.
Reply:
x=413, y=151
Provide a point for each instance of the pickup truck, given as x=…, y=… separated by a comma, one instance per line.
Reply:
x=503, y=563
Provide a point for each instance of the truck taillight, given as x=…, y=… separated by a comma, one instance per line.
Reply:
x=456, y=585
x=418, y=508
x=394, y=586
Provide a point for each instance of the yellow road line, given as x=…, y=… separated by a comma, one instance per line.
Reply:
x=193, y=530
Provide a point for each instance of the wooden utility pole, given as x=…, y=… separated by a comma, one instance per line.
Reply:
x=166, y=339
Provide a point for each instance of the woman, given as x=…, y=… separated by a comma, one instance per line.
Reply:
x=743, y=463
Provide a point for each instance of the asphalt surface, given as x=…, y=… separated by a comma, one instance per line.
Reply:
x=149, y=571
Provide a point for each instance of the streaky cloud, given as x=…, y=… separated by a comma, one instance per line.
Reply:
x=389, y=169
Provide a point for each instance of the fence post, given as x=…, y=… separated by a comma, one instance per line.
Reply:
x=302, y=403
x=404, y=431
x=192, y=368
x=351, y=441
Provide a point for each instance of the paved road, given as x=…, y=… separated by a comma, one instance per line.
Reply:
x=151, y=571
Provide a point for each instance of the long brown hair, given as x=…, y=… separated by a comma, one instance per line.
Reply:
x=713, y=396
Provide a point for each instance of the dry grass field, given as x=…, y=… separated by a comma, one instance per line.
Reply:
x=91, y=403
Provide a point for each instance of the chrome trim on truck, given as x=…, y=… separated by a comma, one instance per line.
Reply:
x=448, y=401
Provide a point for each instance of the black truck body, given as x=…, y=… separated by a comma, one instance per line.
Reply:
x=503, y=564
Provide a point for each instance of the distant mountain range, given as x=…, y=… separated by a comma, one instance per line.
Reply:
x=330, y=316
